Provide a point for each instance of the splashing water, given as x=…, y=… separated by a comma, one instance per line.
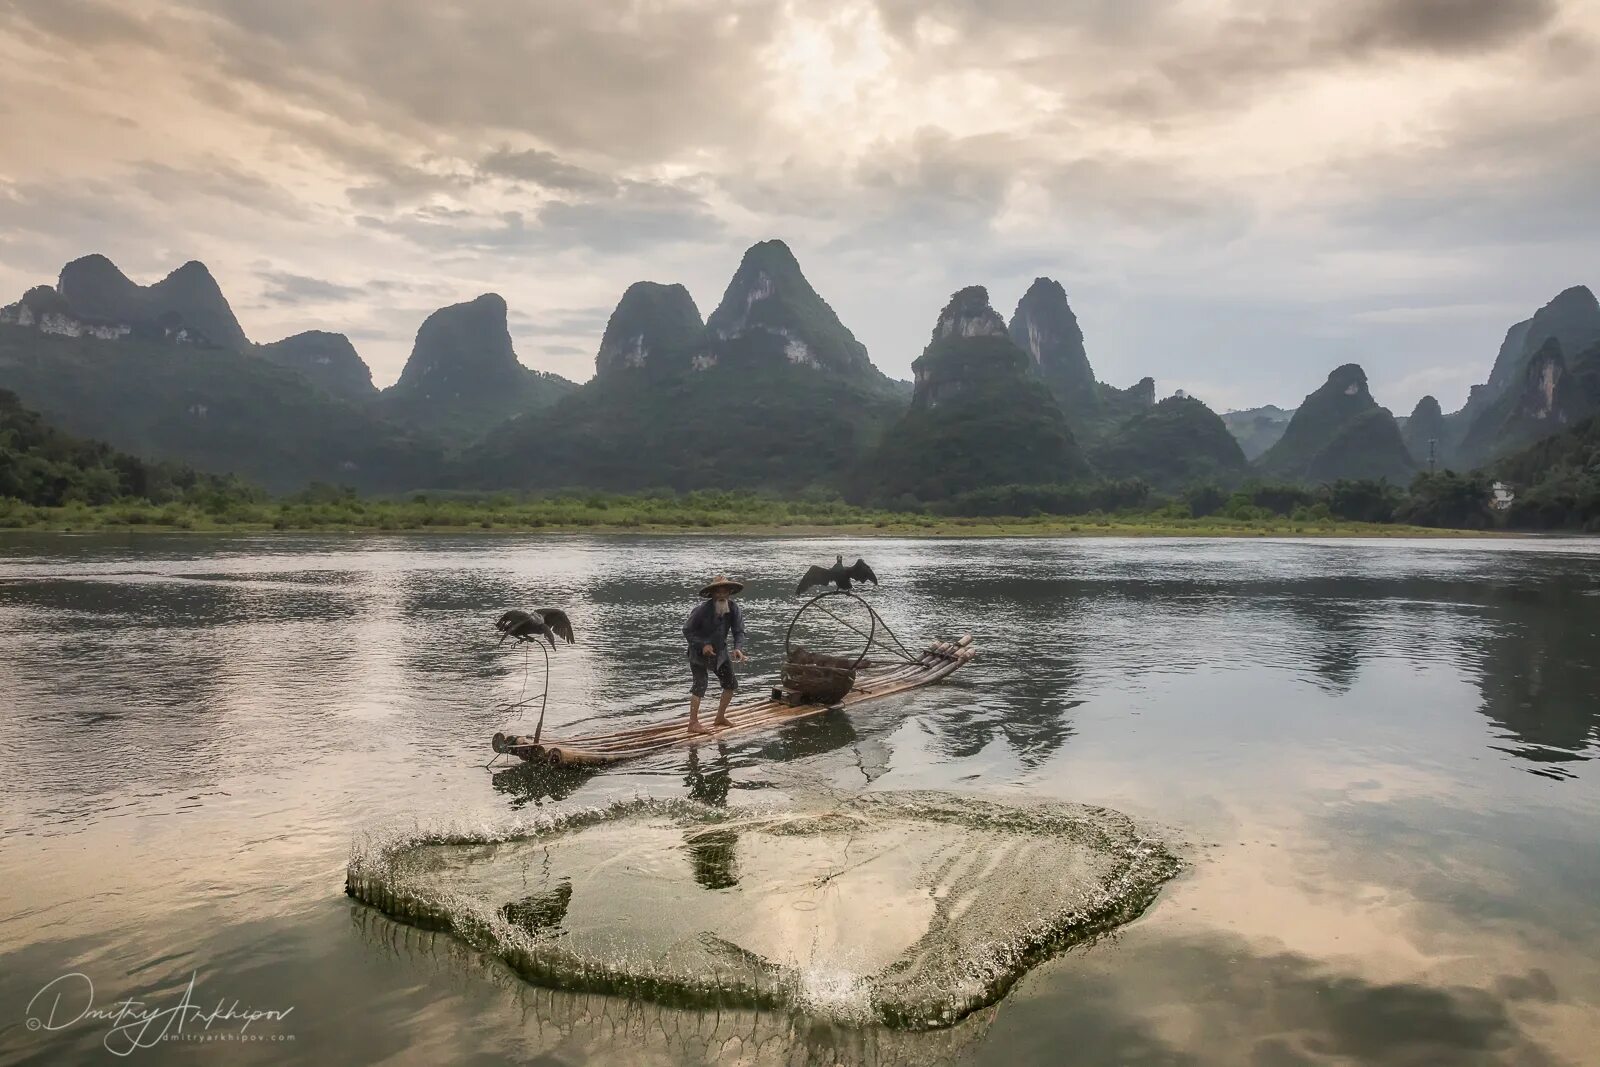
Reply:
x=906, y=909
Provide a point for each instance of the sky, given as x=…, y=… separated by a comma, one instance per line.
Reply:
x=1238, y=195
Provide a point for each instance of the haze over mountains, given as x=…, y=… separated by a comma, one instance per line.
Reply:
x=771, y=390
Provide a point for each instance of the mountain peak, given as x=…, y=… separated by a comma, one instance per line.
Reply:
x=1424, y=432
x=194, y=295
x=969, y=314
x=463, y=375
x=978, y=417
x=469, y=340
x=1340, y=431
x=1577, y=297
x=1045, y=327
x=650, y=319
x=1427, y=408
x=187, y=301
x=770, y=312
x=95, y=288
x=773, y=252
x=1349, y=379
x=1572, y=316
x=328, y=360
x=969, y=350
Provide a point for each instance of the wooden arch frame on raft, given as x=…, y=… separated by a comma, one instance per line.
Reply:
x=788, y=636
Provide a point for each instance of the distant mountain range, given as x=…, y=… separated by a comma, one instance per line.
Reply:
x=771, y=390
x=1257, y=429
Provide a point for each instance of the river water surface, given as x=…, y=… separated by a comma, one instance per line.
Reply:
x=1376, y=760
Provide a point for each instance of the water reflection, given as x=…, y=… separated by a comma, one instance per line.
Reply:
x=542, y=912
x=1541, y=676
x=536, y=783
x=1215, y=999
x=713, y=854
x=709, y=781
x=252, y=701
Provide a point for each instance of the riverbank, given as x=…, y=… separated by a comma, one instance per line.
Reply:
x=780, y=519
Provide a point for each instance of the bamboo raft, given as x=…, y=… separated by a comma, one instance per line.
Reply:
x=874, y=681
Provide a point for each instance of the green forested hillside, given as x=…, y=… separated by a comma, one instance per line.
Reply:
x=463, y=378
x=218, y=410
x=738, y=424
x=1340, y=431
x=1178, y=442
x=1556, y=481
x=44, y=467
x=978, y=418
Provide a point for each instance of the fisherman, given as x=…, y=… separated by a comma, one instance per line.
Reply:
x=707, y=630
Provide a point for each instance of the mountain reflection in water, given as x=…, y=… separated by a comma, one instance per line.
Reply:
x=1377, y=758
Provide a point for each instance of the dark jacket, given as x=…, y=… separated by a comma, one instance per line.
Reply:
x=704, y=627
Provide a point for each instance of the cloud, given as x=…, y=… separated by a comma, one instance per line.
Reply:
x=1234, y=191
x=572, y=75
x=544, y=168
x=564, y=320
x=1444, y=26
x=638, y=215
x=401, y=184
x=284, y=287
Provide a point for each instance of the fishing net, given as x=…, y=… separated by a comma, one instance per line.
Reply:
x=906, y=909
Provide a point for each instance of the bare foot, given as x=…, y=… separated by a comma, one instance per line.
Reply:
x=696, y=728
x=721, y=723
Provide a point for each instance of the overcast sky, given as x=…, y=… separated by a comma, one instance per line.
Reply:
x=1238, y=195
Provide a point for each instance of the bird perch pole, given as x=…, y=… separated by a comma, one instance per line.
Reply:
x=538, y=727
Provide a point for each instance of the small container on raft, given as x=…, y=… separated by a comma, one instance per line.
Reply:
x=816, y=678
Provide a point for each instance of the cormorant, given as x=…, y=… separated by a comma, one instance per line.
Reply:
x=838, y=574
x=549, y=623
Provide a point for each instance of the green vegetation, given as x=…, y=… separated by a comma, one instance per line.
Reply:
x=50, y=480
x=327, y=360
x=650, y=318
x=41, y=467
x=1257, y=429
x=993, y=431
x=1557, y=481
x=1339, y=431
x=742, y=513
x=463, y=377
x=979, y=417
x=218, y=410
x=788, y=309
x=1045, y=327
x=765, y=424
x=1177, y=442
x=1425, y=433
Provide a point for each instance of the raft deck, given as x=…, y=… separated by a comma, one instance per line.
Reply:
x=873, y=682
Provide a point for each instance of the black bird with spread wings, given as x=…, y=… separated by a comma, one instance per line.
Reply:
x=549, y=623
x=840, y=575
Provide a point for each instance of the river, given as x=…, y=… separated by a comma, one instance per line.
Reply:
x=1376, y=761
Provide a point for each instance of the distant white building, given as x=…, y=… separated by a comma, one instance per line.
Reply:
x=1502, y=496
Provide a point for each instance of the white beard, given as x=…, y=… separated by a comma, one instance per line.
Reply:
x=722, y=607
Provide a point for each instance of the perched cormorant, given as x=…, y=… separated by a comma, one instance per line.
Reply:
x=838, y=574
x=549, y=623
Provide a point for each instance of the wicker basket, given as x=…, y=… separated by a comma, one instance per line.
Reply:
x=817, y=678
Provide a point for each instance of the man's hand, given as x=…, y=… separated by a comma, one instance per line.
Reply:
x=708, y=650
x=738, y=655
